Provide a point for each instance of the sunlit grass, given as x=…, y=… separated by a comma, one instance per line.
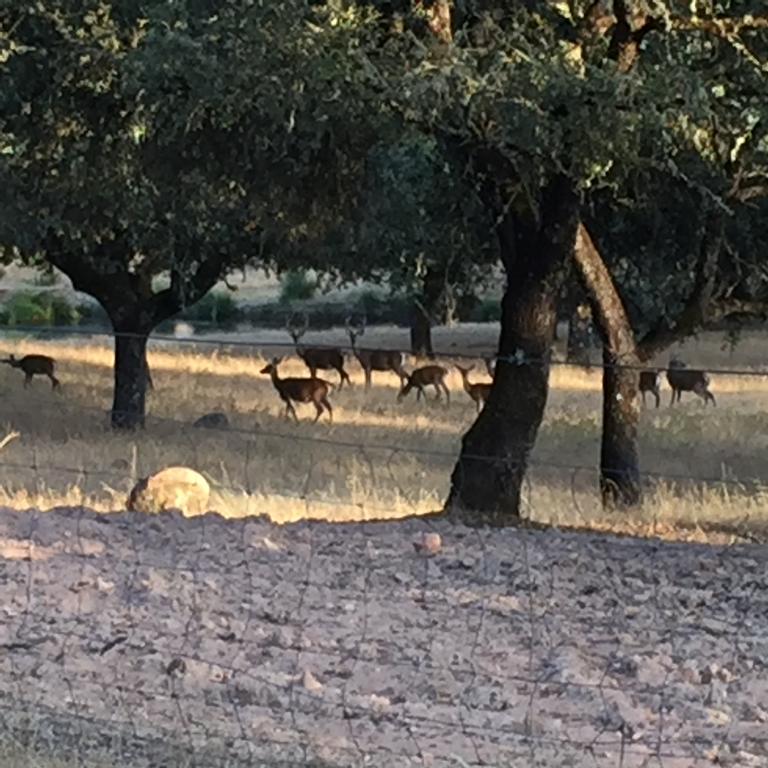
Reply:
x=378, y=459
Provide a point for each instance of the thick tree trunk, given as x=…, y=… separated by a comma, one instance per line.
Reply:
x=619, y=456
x=487, y=481
x=620, y=485
x=129, y=403
x=421, y=332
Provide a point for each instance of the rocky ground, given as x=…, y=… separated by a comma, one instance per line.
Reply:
x=172, y=641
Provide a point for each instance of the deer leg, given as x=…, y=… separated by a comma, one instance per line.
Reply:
x=289, y=409
x=328, y=408
x=319, y=409
x=658, y=397
x=344, y=377
x=672, y=401
x=437, y=392
x=27, y=379
x=447, y=393
x=367, y=373
x=54, y=381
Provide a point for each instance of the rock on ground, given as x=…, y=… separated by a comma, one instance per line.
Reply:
x=246, y=643
x=171, y=488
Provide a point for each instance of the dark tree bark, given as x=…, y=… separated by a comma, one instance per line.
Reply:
x=620, y=485
x=134, y=309
x=130, y=393
x=619, y=456
x=487, y=480
x=421, y=331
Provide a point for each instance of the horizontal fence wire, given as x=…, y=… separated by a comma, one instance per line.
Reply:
x=518, y=357
x=165, y=640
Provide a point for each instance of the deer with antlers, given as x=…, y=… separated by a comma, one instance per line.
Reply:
x=375, y=359
x=300, y=390
x=317, y=358
x=429, y=375
x=34, y=365
x=479, y=392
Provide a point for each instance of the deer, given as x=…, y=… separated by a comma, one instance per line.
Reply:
x=35, y=365
x=479, y=391
x=317, y=358
x=298, y=390
x=650, y=381
x=375, y=359
x=429, y=375
x=684, y=379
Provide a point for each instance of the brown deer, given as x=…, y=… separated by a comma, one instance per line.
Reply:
x=650, y=381
x=317, y=358
x=429, y=375
x=479, y=392
x=35, y=365
x=312, y=390
x=375, y=359
x=684, y=379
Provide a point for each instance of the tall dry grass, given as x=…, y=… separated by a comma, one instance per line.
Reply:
x=378, y=459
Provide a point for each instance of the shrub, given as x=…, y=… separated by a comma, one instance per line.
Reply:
x=39, y=309
x=24, y=309
x=216, y=308
x=297, y=285
x=58, y=309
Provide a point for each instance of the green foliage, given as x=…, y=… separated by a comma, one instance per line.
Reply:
x=216, y=308
x=43, y=309
x=297, y=285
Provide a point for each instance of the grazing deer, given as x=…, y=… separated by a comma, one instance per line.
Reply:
x=650, y=381
x=312, y=390
x=684, y=379
x=375, y=359
x=35, y=365
x=317, y=358
x=429, y=375
x=479, y=392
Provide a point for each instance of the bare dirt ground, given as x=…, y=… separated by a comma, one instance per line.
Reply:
x=167, y=641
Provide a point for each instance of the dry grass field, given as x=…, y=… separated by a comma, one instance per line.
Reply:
x=379, y=459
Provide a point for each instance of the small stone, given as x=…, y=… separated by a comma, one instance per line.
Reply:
x=310, y=682
x=430, y=544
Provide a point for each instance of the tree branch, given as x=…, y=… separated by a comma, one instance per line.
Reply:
x=607, y=306
x=699, y=305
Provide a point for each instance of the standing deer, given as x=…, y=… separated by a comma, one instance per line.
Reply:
x=35, y=365
x=429, y=375
x=317, y=358
x=684, y=379
x=312, y=390
x=479, y=392
x=375, y=359
x=650, y=381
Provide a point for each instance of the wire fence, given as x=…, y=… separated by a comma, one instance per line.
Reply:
x=133, y=640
